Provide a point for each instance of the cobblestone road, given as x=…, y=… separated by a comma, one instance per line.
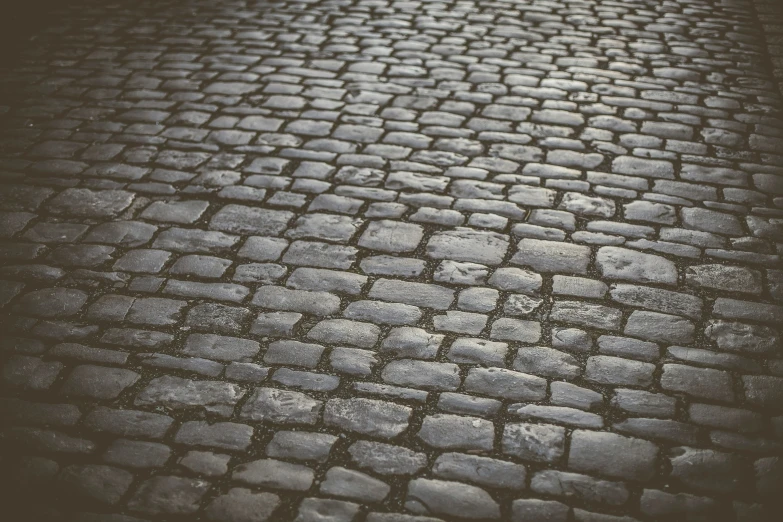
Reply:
x=393, y=261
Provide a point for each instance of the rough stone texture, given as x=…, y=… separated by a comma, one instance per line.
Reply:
x=612, y=455
x=464, y=244
x=393, y=261
x=366, y=416
x=439, y=497
x=242, y=505
x=628, y=265
x=95, y=483
x=168, y=495
x=535, y=442
x=281, y=406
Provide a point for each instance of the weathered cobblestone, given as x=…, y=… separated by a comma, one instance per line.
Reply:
x=394, y=261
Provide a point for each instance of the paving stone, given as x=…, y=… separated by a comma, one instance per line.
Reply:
x=47, y=441
x=628, y=265
x=51, y=302
x=628, y=348
x=567, y=394
x=534, y=442
x=618, y=371
x=386, y=459
x=464, y=244
x=338, y=229
x=655, y=503
x=367, y=416
x=205, y=463
x=457, y=432
x=612, y=455
x=483, y=471
x=393, y=266
x=506, y=329
x=275, y=324
x=698, y=382
x=220, y=347
x=439, y=497
x=707, y=470
x=534, y=509
x=460, y=273
x=643, y=167
x=182, y=212
x=763, y=390
x=478, y=351
x=746, y=310
x=221, y=435
x=318, y=509
x=391, y=236
x=342, y=331
x=516, y=280
x=275, y=474
x=649, y=211
x=422, y=374
x=98, y=382
x=30, y=373
x=582, y=205
x=352, y=361
x=551, y=256
x=586, y=314
x=412, y=342
x=94, y=483
x=128, y=423
x=383, y=313
x=326, y=280
x=416, y=294
x=656, y=327
x=168, y=495
x=137, y=454
x=727, y=278
x=35, y=413
x=306, y=380
x=281, y=407
x=293, y=353
x=583, y=487
x=82, y=202
x=657, y=299
x=200, y=266
x=505, y=384
x=711, y=221
x=142, y=261
x=742, y=337
x=659, y=429
x=281, y=298
x=242, y=505
x=767, y=474
x=578, y=286
x=241, y=219
x=522, y=305
x=347, y=483
x=185, y=240
x=547, y=362
x=263, y=248
x=559, y=414
x=217, y=318
x=177, y=393
x=299, y=445
x=460, y=322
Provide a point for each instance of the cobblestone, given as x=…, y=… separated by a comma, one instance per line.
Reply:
x=394, y=261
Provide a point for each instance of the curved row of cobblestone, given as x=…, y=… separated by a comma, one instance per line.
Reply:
x=393, y=261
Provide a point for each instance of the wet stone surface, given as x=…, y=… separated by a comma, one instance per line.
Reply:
x=393, y=261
